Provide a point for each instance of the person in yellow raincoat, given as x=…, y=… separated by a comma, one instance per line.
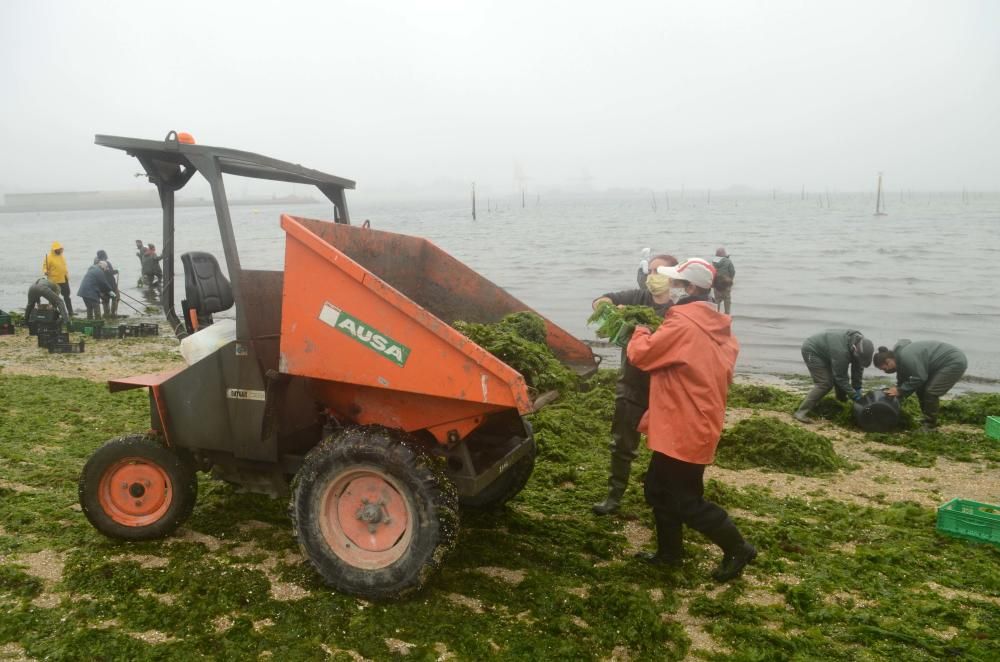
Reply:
x=55, y=269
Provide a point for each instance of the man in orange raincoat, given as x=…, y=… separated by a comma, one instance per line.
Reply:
x=690, y=359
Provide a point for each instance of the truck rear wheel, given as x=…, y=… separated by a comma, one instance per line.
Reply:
x=373, y=512
x=507, y=486
x=134, y=488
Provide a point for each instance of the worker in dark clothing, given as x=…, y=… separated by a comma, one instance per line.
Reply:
x=927, y=367
x=725, y=274
x=632, y=389
x=151, y=272
x=828, y=356
x=43, y=288
x=109, y=303
x=93, y=286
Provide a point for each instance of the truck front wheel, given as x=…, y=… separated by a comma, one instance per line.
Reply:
x=373, y=512
x=134, y=488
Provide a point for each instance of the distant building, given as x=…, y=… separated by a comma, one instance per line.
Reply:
x=66, y=200
x=76, y=200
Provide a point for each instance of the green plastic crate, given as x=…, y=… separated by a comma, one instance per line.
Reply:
x=971, y=520
x=86, y=326
x=993, y=427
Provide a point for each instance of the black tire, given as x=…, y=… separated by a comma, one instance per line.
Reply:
x=138, y=471
x=507, y=486
x=327, y=521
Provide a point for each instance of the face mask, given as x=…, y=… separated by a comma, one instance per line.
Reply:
x=657, y=283
x=677, y=293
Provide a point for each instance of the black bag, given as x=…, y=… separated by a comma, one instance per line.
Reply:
x=877, y=412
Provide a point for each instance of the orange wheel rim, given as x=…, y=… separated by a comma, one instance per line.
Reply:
x=135, y=492
x=365, y=518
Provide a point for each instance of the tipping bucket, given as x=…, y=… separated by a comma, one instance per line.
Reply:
x=877, y=412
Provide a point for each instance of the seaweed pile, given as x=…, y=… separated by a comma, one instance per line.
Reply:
x=519, y=341
x=762, y=441
x=970, y=408
x=613, y=320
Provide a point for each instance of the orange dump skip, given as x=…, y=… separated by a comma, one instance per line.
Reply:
x=373, y=309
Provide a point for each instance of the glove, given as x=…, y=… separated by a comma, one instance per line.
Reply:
x=857, y=394
x=644, y=262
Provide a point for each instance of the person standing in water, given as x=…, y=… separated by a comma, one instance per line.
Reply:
x=928, y=368
x=632, y=388
x=725, y=274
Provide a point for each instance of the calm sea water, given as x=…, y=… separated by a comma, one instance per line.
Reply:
x=925, y=271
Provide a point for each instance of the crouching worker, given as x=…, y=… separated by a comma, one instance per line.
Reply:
x=93, y=287
x=43, y=288
x=927, y=367
x=829, y=355
x=690, y=361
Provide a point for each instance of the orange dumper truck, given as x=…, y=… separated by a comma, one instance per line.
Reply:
x=345, y=384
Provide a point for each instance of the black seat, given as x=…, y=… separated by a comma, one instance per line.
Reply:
x=206, y=290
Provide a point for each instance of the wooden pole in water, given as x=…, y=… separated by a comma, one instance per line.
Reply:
x=878, y=198
x=653, y=195
x=473, y=201
x=522, y=197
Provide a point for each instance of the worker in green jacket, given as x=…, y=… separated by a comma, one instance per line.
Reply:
x=927, y=367
x=725, y=275
x=632, y=389
x=829, y=356
x=43, y=288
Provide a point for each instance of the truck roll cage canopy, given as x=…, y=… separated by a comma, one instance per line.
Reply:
x=170, y=164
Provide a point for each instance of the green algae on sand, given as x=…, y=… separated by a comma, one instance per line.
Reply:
x=763, y=441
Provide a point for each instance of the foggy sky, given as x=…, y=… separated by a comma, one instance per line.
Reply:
x=409, y=96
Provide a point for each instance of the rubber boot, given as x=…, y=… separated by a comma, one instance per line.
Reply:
x=802, y=416
x=610, y=504
x=930, y=405
x=669, y=542
x=106, y=309
x=737, y=553
x=617, y=482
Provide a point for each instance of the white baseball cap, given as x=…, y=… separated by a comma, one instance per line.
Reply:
x=694, y=270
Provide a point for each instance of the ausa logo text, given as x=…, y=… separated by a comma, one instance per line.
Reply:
x=364, y=334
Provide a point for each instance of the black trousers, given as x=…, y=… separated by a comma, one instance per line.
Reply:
x=676, y=492
x=64, y=288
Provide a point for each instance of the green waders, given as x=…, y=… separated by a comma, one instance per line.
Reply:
x=624, y=449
